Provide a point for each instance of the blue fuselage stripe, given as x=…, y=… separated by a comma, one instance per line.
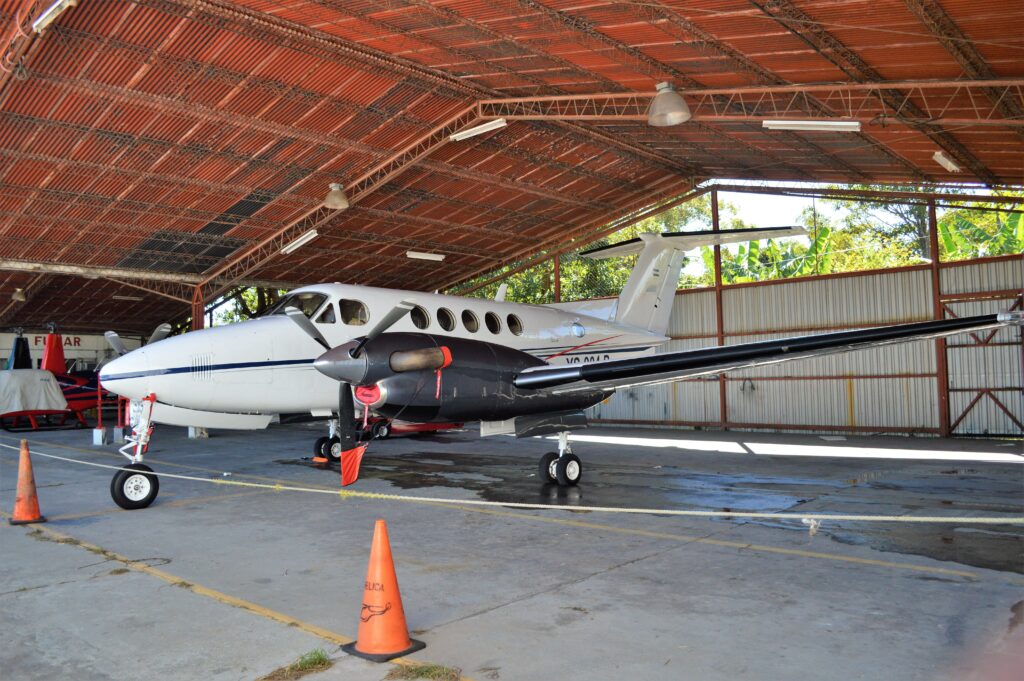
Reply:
x=593, y=350
x=205, y=369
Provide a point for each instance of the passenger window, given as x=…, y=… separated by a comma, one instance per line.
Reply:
x=446, y=319
x=470, y=321
x=327, y=316
x=578, y=330
x=353, y=312
x=492, y=322
x=420, y=317
x=515, y=325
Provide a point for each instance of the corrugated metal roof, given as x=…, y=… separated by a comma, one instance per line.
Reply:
x=128, y=124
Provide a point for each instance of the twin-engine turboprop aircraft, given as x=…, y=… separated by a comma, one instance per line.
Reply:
x=519, y=369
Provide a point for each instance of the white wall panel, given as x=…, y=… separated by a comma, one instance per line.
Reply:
x=845, y=301
x=1000, y=275
x=832, y=392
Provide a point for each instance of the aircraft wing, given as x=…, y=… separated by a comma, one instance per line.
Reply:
x=674, y=366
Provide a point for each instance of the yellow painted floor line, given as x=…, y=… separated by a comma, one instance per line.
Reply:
x=757, y=548
x=219, y=596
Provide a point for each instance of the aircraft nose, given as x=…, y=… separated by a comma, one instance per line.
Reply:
x=126, y=375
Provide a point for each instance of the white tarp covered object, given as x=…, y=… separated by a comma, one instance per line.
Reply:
x=30, y=390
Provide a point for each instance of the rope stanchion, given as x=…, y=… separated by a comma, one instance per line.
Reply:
x=408, y=498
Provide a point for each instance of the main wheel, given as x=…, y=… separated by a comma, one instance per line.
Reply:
x=381, y=430
x=332, y=450
x=136, y=486
x=320, y=447
x=546, y=468
x=568, y=469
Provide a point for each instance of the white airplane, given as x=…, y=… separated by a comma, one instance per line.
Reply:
x=520, y=369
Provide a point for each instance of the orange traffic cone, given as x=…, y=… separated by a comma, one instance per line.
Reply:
x=26, y=503
x=383, y=634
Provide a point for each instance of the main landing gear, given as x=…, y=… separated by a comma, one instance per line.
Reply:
x=329, y=448
x=136, y=486
x=562, y=466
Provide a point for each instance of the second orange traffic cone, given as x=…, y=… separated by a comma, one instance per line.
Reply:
x=26, y=503
x=383, y=634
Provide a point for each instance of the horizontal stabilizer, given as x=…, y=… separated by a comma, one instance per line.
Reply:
x=687, y=241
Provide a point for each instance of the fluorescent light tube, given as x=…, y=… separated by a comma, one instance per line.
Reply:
x=51, y=13
x=132, y=299
x=946, y=162
x=823, y=126
x=301, y=241
x=417, y=255
x=478, y=129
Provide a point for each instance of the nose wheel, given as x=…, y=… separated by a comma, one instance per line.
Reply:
x=135, y=486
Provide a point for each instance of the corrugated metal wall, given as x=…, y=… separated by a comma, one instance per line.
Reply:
x=893, y=389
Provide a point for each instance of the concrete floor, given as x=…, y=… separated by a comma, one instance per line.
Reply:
x=220, y=582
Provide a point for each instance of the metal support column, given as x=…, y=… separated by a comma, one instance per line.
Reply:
x=558, y=278
x=723, y=407
x=198, y=308
x=941, y=370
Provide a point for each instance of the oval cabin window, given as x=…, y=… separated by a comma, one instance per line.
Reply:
x=446, y=319
x=515, y=325
x=420, y=317
x=470, y=321
x=492, y=322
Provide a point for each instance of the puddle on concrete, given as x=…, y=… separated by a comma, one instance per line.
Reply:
x=500, y=479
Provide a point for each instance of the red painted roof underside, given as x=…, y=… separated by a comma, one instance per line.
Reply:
x=167, y=134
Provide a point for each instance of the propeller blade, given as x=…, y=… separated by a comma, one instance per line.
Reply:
x=389, y=320
x=159, y=333
x=346, y=417
x=303, y=323
x=115, y=342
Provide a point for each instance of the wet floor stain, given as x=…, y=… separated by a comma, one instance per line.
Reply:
x=515, y=480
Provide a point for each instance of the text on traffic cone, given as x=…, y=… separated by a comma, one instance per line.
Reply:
x=383, y=634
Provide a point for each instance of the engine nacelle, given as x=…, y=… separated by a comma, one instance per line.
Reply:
x=423, y=377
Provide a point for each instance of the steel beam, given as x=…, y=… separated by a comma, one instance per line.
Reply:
x=800, y=24
x=124, y=273
x=966, y=54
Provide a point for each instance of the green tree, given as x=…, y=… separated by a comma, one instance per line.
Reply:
x=583, y=278
x=246, y=304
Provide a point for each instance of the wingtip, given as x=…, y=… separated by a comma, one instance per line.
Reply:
x=1011, y=317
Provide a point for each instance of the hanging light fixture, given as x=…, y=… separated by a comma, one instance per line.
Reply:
x=667, y=108
x=19, y=295
x=336, y=198
x=946, y=162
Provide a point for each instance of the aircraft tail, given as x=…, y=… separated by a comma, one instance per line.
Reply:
x=646, y=299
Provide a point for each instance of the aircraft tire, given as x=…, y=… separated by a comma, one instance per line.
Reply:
x=332, y=450
x=381, y=430
x=320, y=447
x=134, y=487
x=545, y=469
x=569, y=470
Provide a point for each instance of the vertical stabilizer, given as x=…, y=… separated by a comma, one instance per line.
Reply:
x=646, y=300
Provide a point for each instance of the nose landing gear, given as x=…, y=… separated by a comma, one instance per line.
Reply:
x=135, y=486
x=562, y=466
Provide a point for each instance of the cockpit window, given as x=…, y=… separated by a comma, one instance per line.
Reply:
x=327, y=316
x=353, y=312
x=308, y=303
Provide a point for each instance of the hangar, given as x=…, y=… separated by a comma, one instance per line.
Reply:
x=162, y=157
